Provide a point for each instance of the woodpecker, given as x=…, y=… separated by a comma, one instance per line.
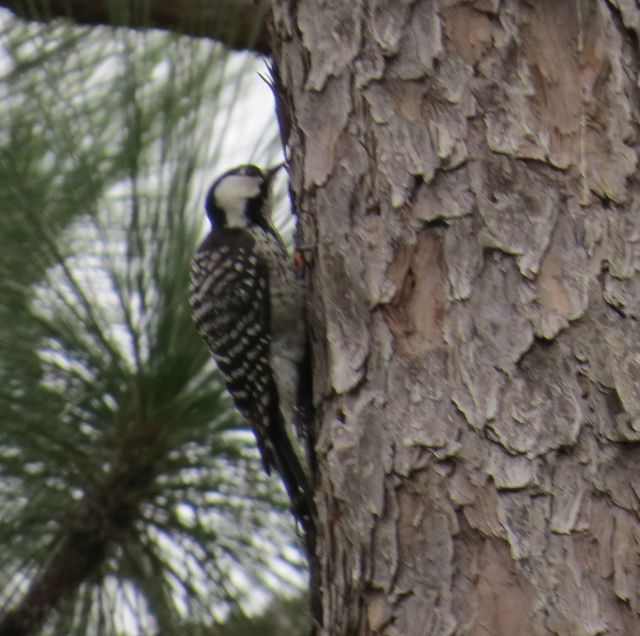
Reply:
x=248, y=305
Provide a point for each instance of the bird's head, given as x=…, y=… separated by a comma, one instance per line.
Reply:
x=241, y=197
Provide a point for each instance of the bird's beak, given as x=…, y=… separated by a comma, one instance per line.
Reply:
x=271, y=172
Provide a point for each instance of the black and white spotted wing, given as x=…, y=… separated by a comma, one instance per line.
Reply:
x=231, y=308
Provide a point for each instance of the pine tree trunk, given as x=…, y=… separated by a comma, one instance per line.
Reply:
x=465, y=178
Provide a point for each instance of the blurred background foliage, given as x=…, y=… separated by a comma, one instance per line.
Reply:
x=117, y=442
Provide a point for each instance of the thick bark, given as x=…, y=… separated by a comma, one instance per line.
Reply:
x=238, y=24
x=465, y=174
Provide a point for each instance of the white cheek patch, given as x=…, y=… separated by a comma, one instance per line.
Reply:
x=232, y=194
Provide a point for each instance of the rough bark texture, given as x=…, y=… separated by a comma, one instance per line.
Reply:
x=465, y=172
x=239, y=24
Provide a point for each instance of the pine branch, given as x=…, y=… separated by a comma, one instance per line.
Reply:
x=104, y=519
x=238, y=24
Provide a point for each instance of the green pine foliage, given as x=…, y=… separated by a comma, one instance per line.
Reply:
x=130, y=492
x=282, y=617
